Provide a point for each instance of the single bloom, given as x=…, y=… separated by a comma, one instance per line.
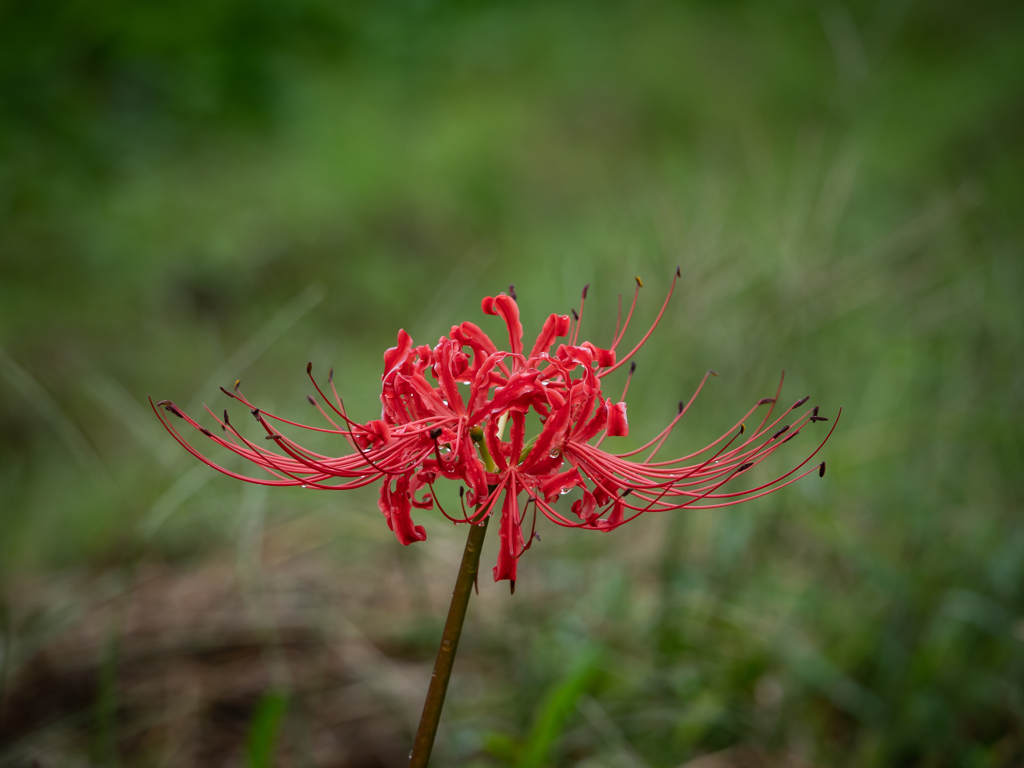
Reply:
x=445, y=411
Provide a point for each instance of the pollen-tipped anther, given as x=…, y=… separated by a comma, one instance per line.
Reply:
x=743, y=428
x=639, y=282
x=713, y=373
x=237, y=383
x=309, y=367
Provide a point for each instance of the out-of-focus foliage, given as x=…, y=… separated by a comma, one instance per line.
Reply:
x=196, y=192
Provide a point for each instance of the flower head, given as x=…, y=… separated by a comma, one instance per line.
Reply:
x=453, y=425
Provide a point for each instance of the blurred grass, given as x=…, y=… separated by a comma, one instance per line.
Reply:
x=193, y=193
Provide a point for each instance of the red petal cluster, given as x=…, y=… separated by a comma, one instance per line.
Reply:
x=453, y=424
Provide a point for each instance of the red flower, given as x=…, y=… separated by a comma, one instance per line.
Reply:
x=429, y=429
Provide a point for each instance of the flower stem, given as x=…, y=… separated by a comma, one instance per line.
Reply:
x=449, y=645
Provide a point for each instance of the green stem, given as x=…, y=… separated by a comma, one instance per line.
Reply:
x=449, y=645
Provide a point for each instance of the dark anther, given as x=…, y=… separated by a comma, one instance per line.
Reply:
x=713, y=373
x=800, y=402
x=748, y=465
x=309, y=367
x=330, y=376
x=226, y=416
x=780, y=431
x=678, y=273
x=626, y=493
x=536, y=536
x=639, y=282
x=272, y=437
x=512, y=586
x=821, y=471
x=312, y=400
x=256, y=412
x=585, y=289
x=815, y=411
x=766, y=400
x=435, y=433
x=462, y=491
x=577, y=317
x=206, y=432
x=162, y=402
x=819, y=418
x=632, y=368
x=512, y=292
x=172, y=408
x=680, y=406
x=791, y=436
x=227, y=393
x=237, y=383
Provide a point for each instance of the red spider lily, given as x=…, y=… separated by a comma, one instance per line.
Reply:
x=429, y=429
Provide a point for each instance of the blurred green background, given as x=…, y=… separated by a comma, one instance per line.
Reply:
x=192, y=193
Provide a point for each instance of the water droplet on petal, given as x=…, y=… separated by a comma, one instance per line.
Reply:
x=565, y=491
x=554, y=453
